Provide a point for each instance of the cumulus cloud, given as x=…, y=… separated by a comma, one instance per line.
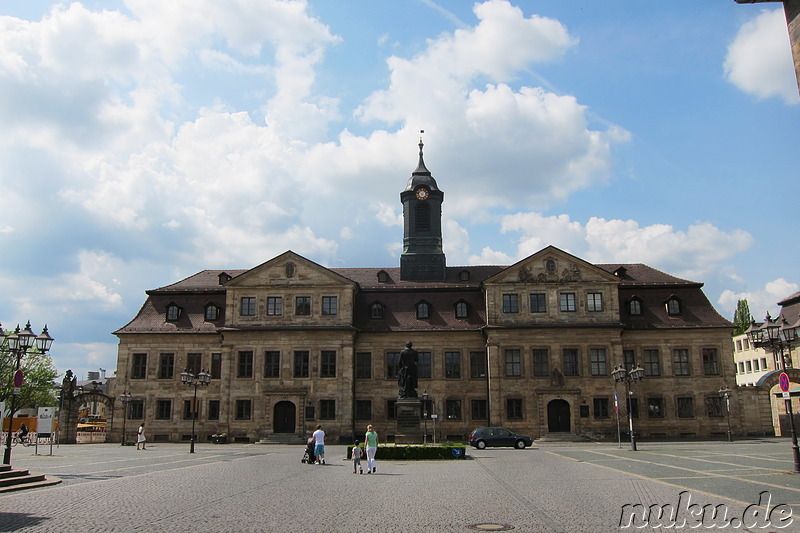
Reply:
x=759, y=59
x=761, y=301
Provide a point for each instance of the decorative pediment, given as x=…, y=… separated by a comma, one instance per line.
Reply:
x=552, y=265
x=288, y=268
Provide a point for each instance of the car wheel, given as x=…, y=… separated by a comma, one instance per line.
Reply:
x=520, y=444
x=480, y=445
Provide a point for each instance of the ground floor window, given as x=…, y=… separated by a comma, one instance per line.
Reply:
x=685, y=407
x=327, y=409
x=244, y=409
x=163, y=409
x=514, y=408
x=453, y=408
x=479, y=410
x=363, y=409
x=601, y=407
x=655, y=407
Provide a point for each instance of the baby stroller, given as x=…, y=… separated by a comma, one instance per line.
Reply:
x=308, y=454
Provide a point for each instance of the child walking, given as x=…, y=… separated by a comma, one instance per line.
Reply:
x=357, y=454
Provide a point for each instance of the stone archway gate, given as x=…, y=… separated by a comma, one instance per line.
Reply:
x=70, y=406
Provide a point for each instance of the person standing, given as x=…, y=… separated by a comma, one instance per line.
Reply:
x=140, y=438
x=371, y=443
x=356, y=455
x=319, y=445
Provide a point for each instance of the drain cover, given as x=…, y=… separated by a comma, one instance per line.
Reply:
x=491, y=527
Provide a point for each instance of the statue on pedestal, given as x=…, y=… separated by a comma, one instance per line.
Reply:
x=407, y=372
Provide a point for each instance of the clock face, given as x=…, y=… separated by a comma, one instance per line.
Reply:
x=423, y=193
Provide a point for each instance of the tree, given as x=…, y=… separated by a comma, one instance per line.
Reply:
x=38, y=389
x=742, y=317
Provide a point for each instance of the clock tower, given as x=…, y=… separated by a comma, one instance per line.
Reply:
x=422, y=258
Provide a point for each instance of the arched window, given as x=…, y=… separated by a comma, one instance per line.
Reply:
x=423, y=310
x=673, y=306
x=376, y=311
x=212, y=312
x=635, y=306
x=462, y=309
x=173, y=312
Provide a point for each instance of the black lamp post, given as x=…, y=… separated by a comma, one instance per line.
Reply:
x=636, y=374
x=18, y=343
x=777, y=336
x=203, y=378
x=125, y=397
x=425, y=416
x=725, y=393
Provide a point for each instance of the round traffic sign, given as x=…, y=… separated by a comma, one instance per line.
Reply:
x=783, y=381
x=19, y=378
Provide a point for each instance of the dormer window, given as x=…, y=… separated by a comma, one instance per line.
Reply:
x=550, y=266
x=635, y=306
x=463, y=275
x=212, y=312
x=383, y=277
x=673, y=306
x=173, y=312
x=376, y=311
x=423, y=310
x=224, y=277
x=462, y=309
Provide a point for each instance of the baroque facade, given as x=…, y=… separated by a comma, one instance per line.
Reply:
x=291, y=344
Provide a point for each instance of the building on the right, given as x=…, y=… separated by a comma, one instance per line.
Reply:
x=752, y=363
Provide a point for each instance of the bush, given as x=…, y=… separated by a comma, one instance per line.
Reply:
x=417, y=452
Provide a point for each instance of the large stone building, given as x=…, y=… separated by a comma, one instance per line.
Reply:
x=291, y=344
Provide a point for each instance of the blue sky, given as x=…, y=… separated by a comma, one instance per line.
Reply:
x=143, y=141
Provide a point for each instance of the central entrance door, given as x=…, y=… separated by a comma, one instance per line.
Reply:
x=284, y=417
x=558, y=416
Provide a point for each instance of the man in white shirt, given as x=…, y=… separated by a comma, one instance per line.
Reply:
x=319, y=445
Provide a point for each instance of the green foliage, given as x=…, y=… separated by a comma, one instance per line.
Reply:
x=38, y=390
x=742, y=317
x=417, y=452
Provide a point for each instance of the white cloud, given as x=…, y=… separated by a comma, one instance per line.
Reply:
x=761, y=301
x=759, y=60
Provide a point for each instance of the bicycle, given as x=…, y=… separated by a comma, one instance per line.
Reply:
x=25, y=441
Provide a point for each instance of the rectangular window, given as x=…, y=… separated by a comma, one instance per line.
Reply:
x=597, y=358
x=272, y=364
x=216, y=365
x=213, y=409
x=477, y=364
x=567, y=302
x=571, y=362
x=139, y=367
x=711, y=362
x=163, y=409
x=755, y=364
x=749, y=365
x=685, y=407
x=166, y=367
x=248, y=307
x=541, y=362
x=188, y=409
x=510, y=303
x=741, y=367
x=194, y=363
x=136, y=409
x=452, y=365
x=330, y=305
x=600, y=407
x=652, y=363
x=594, y=301
x=301, y=364
x=327, y=409
x=424, y=365
x=244, y=409
x=391, y=409
x=538, y=302
x=714, y=406
x=310, y=412
x=680, y=362
x=327, y=367
x=363, y=365
x=453, y=409
x=392, y=364
x=274, y=305
x=513, y=363
x=244, y=368
x=628, y=359
x=480, y=410
x=514, y=408
x=363, y=409
x=763, y=363
x=302, y=305
x=655, y=407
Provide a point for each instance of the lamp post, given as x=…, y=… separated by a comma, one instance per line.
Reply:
x=425, y=416
x=636, y=374
x=725, y=393
x=203, y=378
x=18, y=344
x=777, y=336
x=125, y=397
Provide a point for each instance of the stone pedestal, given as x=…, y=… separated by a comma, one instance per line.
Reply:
x=408, y=421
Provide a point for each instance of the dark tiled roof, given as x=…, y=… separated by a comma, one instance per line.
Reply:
x=152, y=316
x=696, y=310
x=641, y=274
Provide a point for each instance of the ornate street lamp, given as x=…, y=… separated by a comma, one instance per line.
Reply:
x=203, y=378
x=725, y=393
x=18, y=344
x=621, y=375
x=777, y=336
x=125, y=397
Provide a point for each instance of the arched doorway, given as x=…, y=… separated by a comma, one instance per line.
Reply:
x=284, y=417
x=558, y=416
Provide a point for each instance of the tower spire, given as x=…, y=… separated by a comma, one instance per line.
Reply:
x=421, y=165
